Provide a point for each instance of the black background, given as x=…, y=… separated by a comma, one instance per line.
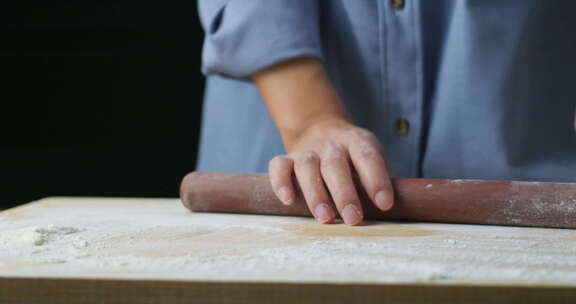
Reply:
x=98, y=98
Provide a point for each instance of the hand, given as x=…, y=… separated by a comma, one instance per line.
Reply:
x=324, y=148
x=323, y=158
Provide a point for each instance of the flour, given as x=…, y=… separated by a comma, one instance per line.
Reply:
x=411, y=259
x=458, y=181
x=39, y=244
x=34, y=236
x=522, y=211
x=165, y=241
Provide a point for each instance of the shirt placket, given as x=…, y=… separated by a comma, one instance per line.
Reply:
x=402, y=69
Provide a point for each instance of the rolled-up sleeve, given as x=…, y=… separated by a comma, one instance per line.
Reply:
x=244, y=36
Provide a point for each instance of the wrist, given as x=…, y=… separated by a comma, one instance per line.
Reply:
x=301, y=100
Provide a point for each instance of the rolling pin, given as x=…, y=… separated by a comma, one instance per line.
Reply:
x=511, y=203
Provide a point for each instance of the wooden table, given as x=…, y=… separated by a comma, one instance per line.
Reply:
x=90, y=250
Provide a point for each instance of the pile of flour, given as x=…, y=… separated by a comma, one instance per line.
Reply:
x=34, y=236
x=43, y=244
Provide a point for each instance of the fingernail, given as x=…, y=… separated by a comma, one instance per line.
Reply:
x=351, y=214
x=284, y=195
x=323, y=213
x=383, y=200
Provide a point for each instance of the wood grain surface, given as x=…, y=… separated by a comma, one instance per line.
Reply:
x=155, y=251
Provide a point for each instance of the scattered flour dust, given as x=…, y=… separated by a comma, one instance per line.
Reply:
x=185, y=251
x=34, y=240
x=35, y=236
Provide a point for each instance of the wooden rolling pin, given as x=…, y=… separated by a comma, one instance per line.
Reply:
x=536, y=204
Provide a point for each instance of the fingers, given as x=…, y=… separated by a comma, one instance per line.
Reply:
x=280, y=171
x=369, y=162
x=307, y=169
x=324, y=174
x=338, y=178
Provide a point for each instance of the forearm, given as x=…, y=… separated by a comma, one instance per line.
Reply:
x=299, y=96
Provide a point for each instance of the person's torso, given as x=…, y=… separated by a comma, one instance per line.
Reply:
x=484, y=86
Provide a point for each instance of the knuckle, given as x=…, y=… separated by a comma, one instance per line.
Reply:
x=333, y=152
x=318, y=181
x=368, y=150
x=344, y=195
x=307, y=157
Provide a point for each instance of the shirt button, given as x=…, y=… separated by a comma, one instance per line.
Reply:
x=402, y=126
x=397, y=4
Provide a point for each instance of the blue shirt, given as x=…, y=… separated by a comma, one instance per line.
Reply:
x=488, y=87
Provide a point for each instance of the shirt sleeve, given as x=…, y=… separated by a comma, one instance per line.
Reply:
x=244, y=36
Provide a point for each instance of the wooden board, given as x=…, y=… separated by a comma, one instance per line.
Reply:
x=93, y=250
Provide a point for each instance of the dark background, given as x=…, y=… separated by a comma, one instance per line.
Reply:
x=98, y=98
